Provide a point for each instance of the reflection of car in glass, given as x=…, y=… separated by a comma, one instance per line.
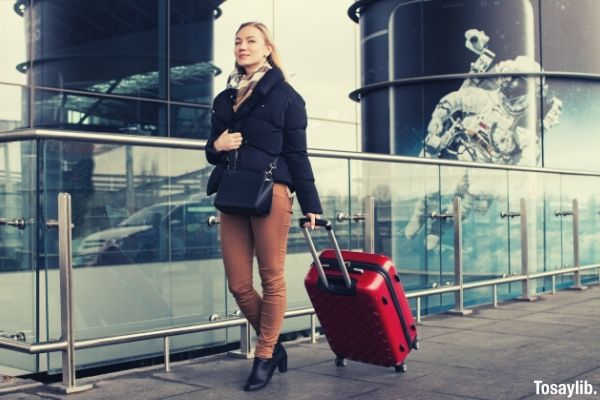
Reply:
x=160, y=232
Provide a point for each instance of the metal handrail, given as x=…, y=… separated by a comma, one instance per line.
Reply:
x=196, y=144
x=357, y=94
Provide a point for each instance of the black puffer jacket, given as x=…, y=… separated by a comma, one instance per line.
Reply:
x=273, y=123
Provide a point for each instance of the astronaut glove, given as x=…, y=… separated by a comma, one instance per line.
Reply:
x=552, y=117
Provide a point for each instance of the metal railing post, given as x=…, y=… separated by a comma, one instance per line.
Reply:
x=459, y=299
x=576, y=264
x=495, y=296
x=313, y=328
x=418, y=310
x=369, y=213
x=69, y=384
x=167, y=351
x=525, y=285
x=246, y=350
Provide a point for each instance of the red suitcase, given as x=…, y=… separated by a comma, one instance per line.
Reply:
x=362, y=306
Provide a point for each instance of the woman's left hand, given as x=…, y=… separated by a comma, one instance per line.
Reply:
x=312, y=217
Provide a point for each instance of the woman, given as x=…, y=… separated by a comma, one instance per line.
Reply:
x=262, y=117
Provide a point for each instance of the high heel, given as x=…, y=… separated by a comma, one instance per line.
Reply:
x=282, y=365
x=280, y=354
x=263, y=369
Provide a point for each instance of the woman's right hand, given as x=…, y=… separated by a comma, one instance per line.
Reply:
x=228, y=141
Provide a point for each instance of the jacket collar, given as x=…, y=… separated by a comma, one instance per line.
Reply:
x=263, y=87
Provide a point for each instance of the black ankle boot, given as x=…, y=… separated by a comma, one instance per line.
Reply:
x=263, y=369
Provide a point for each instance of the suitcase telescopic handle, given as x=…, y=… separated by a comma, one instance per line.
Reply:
x=311, y=245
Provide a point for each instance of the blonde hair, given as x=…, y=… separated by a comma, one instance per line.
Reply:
x=274, y=59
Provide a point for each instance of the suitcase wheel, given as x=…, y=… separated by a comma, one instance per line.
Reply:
x=416, y=345
x=340, y=362
x=400, y=368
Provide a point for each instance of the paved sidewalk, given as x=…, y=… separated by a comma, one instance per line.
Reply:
x=492, y=354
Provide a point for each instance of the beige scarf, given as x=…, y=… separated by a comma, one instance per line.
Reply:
x=245, y=84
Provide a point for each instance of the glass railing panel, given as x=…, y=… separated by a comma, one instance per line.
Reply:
x=527, y=186
x=19, y=311
x=405, y=195
x=144, y=257
x=550, y=184
x=585, y=190
x=331, y=178
x=485, y=250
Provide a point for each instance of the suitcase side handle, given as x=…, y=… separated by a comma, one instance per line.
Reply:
x=311, y=245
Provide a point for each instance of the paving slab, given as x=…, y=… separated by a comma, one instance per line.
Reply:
x=491, y=354
x=455, y=322
x=530, y=329
x=560, y=319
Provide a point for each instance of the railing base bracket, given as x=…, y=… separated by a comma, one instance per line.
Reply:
x=74, y=389
x=528, y=298
x=462, y=313
x=241, y=354
x=578, y=287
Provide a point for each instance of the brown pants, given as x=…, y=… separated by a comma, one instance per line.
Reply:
x=241, y=238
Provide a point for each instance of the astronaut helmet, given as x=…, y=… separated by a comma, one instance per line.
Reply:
x=514, y=93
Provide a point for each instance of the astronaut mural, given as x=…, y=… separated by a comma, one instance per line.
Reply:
x=491, y=120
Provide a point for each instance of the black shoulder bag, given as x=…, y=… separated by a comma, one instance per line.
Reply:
x=245, y=192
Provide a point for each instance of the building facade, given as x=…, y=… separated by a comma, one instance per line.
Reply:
x=509, y=83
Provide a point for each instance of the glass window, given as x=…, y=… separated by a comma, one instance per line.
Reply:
x=572, y=128
x=484, y=121
x=322, y=71
x=62, y=110
x=568, y=32
x=98, y=46
x=458, y=37
x=190, y=122
x=325, y=134
x=192, y=67
x=14, y=39
x=14, y=107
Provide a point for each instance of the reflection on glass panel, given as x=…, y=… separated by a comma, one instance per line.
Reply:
x=14, y=107
x=405, y=195
x=140, y=238
x=485, y=121
x=585, y=190
x=567, y=27
x=341, y=136
x=553, y=224
x=331, y=64
x=18, y=250
x=483, y=195
x=576, y=130
x=527, y=186
x=14, y=22
x=191, y=49
x=190, y=122
x=234, y=13
x=112, y=48
x=82, y=112
x=331, y=178
x=495, y=32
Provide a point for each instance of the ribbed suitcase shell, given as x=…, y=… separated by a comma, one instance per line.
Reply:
x=370, y=323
